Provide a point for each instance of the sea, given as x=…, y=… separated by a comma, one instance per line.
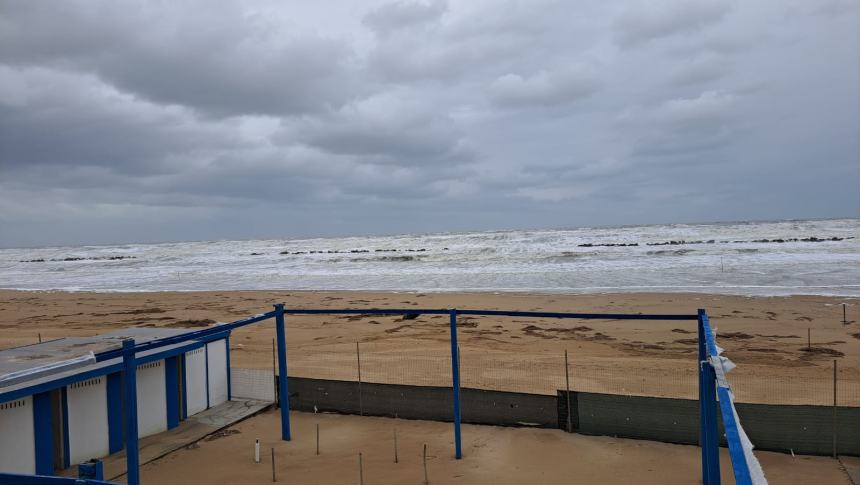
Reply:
x=813, y=257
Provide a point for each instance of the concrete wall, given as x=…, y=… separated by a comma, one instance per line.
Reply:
x=805, y=429
x=217, y=361
x=195, y=380
x=151, y=399
x=88, y=420
x=17, y=440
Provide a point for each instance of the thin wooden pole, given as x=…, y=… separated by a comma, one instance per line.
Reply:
x=360, y=402
x=834, y=408
x=426, y=480
x=395, y=445
x=40, y=337
x=360, y=471
x=808, y=339
x=567, y=394
x=844, y=316
x=318, y=438
x=273, y=466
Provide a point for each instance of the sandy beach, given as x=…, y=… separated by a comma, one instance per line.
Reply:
x=766, y=337
x=490, y=455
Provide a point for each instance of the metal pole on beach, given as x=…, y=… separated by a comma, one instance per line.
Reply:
x=132, y=458
x=284, y=393
x=455, y=384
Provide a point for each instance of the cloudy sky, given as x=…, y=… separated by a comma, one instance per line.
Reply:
x=152, y=121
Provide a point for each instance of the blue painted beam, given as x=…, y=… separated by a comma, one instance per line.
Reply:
x=740, y=467
x=206, y=366
x=282, y=372
x=64, y=406
x=114, y=409
x=229, y=377
x=184, y=387
x=712, y=446
x=455, y=384
x=43, y=431
x=503, y=313
x=130, y=384
x=703, y=419
x=171, y=383
x=211, y=333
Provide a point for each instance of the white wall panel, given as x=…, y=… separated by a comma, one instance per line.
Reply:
x=17, y=440
x=88, y=420
x=217, y=372
x=151, y=399
x=195, y=380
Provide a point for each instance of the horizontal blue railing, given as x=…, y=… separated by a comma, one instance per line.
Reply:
x=17, y=479
x=218, y=329
x=731, y=425
x=195, y=335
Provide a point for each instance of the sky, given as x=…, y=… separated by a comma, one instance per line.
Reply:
x=146, y=121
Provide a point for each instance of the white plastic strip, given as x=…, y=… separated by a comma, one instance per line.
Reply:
x=756, y=472
x=47, y=369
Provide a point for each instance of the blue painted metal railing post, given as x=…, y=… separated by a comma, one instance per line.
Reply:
x=132, y=459
x=708, y=432
x=282, y=371
x=702, y=418
x=455, y=378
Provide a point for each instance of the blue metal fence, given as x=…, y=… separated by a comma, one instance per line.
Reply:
x=712, y=380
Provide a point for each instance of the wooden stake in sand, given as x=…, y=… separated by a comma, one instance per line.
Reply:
x=273, y=466
x=358, y=359
x=426, y=480
x=360, y=471
x=844, y=319
x=40, y=336
x=567, y=389
x=257, y=451
x=395, y=444
x=318, y=438
x=808, y=339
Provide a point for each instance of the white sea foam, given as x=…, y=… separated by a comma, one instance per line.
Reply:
x=541, y=261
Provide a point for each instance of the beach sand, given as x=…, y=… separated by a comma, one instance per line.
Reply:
x=491, y=454
x=766, y=337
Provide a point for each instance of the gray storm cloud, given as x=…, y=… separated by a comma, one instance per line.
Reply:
x=141, y=121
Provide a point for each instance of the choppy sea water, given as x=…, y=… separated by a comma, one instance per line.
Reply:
x=820, y=257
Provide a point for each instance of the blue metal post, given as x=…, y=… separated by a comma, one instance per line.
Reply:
x=229, y=378
x=702, y=417
x=64, y=408
x=455, y=375
x=282, y=371
x=171, y=383
x=712, y=448
x=132, y=459
x=708, y=437
x=43, y=431
x=114, y=411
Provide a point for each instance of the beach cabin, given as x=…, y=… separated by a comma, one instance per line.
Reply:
x=61, y=401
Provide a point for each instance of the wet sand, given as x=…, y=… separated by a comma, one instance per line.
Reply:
x=766, y=337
